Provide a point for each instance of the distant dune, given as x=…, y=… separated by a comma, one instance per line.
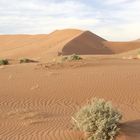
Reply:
x=15, y=46
x=138, y=40
x=121, y=47
x=60, y=42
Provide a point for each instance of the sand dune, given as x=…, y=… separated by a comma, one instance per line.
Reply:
x=23, y=45
x=59, y=42
x=37, y=100
x=33, y=46
x=86, y=43
x=121, y=47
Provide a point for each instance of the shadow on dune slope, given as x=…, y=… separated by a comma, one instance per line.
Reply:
x=60, y=42
x=86, y=43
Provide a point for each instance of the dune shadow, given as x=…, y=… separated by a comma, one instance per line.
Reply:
x=34, y=61
x=131, y=128
x=86, y=43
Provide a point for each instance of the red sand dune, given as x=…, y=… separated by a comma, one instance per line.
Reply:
x=15, y=46
x=121, y=47
x=63, y=42
x=86, y=43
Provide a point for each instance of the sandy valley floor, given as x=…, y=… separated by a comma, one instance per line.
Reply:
x=38, y=100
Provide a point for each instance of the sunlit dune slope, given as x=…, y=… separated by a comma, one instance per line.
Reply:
x=35, y=45
x=60, y=42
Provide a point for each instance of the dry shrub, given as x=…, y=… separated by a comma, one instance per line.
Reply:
x=26, y=60
x=98, y=118
x=4, y=62
x=72, y=57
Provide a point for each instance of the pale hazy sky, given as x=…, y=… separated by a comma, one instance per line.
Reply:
x=111, y=19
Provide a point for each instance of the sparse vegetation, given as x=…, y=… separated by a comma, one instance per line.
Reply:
x=26, y=60
x=75, y=57
x=72, y=57
x=98, y=118
x=4, y=62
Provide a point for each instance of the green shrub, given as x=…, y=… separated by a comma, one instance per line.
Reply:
x=4, y=62
x=26, y=60
x=72, y=57
x=75, y=57
x=98, y=118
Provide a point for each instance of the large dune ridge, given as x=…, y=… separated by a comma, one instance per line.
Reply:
x=60, y=42
x=37, y=100
x=121, y=47
x=15, y=46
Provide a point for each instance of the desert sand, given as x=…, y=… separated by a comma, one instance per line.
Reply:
x=37, y=100
x=60, y=42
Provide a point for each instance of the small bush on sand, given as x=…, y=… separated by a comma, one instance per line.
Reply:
x=4, y=62
x=26, y=60
x=75, y=57
x=72, y=57
x=98, y=118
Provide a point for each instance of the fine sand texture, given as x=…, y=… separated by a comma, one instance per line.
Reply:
x=38, y=100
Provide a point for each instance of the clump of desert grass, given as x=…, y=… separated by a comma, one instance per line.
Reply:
x=99, y=119
x=72, y=57
x=4, y=62
x=26, y=60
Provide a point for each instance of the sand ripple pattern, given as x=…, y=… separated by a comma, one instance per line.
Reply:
x=44, y=113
